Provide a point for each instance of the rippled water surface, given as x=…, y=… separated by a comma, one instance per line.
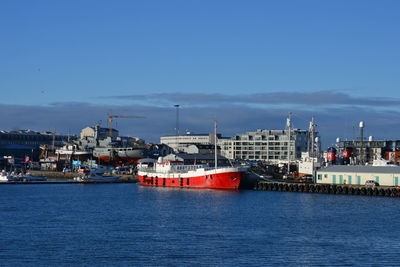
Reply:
x=126, y=224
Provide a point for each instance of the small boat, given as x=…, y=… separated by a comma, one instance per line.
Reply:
x=5, y=177
x=30, y=178
x=27, y=177
x=96, y=175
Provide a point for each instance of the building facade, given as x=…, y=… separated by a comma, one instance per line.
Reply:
x=178, y=143
x=21, y=143
x=265, y=145
x=358, y=175
x=370, y=150
x=200, y=149
x=98, y=132
x=200, y=159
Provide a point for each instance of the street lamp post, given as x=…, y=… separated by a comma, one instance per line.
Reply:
x=177, y=126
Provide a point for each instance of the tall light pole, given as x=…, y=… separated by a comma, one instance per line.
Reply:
x=215, y=145
x=177, y=119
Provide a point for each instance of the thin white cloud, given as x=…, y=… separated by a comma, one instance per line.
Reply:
x=316, y=99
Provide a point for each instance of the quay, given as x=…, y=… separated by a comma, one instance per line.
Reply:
x=328, y=189
x=56, y=177
x=58, y=181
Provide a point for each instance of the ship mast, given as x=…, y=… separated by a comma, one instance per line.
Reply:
x=361, y=142
x=215, y=145
x=311, y=140
x=289, y=125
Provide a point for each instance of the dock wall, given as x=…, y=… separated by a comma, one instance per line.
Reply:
x=328, y=189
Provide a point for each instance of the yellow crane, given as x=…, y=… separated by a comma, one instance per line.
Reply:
x=111, y=117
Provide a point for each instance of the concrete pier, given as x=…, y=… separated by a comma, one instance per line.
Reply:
x=55, y=177
x=66, y=182
x=328, y=189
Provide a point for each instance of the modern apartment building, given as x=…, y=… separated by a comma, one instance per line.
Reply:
x=265, y=145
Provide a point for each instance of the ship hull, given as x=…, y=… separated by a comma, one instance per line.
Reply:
x=118, y=156
x=118, y=161
x=228, y=179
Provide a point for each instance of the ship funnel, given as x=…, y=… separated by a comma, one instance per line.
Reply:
x=338, y=140
x=370, y=138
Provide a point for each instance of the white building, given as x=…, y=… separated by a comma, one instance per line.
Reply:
x=265, y=145
x=97, y=132
x=358, y=175
x=178, y=143
x=307, y=165
x=200, y=149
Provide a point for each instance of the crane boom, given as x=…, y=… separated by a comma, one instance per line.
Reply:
x=111, y=117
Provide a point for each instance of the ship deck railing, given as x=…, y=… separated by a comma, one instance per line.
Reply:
x=182, y=170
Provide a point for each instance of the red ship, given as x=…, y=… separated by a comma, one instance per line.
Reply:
x=176, y=174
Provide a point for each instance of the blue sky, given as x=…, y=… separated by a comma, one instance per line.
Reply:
x=66, y=64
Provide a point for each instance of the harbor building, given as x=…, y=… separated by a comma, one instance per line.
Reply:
x=367, y=151
x=26, y=143
x=200, y=149
x=358, y=175
x=195, y=158
x=98, y=132
x=180, y=142
x=265, y=145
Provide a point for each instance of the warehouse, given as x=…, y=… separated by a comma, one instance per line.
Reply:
x=358, y=175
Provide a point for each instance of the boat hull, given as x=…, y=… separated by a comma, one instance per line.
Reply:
x=119, y=157
x=211, y=179
x=118, y=161
x=98, y=179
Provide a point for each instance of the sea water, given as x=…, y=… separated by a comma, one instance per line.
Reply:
x=131, y=225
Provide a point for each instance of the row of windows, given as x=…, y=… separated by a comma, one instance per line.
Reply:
x=281, y=134
x=256, y=148
x=34, y=143
x=348, y=179
x=282, y=143
x=262, y=157
x=244, y=153
x=12, y=137
x=257, y=137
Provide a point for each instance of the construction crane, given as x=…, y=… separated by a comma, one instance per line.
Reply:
x=111, y=117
